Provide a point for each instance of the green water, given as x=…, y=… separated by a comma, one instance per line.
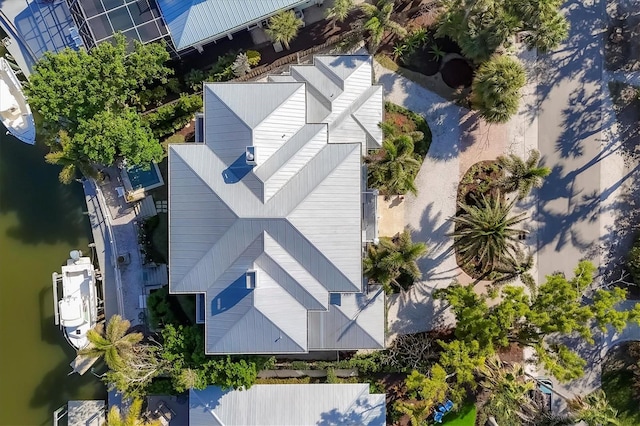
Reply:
x=40, y=222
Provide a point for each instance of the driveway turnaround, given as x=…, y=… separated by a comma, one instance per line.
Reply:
x=426, y=214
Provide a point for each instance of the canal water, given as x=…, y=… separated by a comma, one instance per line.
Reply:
x=40, y=222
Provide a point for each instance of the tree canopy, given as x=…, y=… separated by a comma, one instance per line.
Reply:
x=108, y=134
x=480, y=27
x=555, y=310
x=70, y=87
x=91, y=96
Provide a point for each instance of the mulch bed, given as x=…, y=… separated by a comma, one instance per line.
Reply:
x=457, y=73
x=475, y=183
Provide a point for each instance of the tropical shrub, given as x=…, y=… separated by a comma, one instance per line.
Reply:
x=171, y=117
x=496, y=88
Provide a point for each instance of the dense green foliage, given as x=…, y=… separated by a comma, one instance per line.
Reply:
x=621, y=381
x=174, y=116
x=556, y=309
x=92, y=96
x=482, y=27
x=71, y=87
x=496, y=88
x=183, y=350
x=107, y=135
x=392, y=262
x=283, y=27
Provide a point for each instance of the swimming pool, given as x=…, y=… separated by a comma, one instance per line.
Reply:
x=144, y=179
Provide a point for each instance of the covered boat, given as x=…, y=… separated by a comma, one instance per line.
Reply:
x=15, y=112
x=77, y=311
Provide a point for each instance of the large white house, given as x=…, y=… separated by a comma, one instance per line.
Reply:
x=266, y=213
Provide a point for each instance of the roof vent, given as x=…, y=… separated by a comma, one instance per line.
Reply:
x=251, y=279
x=250, y=155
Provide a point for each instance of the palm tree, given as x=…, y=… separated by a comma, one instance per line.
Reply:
x=378, y=21
x=393, y=261
x=522, y=175
x=594, y=409
x=113, y=344
x=64, y=153
x=484, y=234
x=394, y=172
x=283, y=27
x=496, y=88
x=340, y=11
x=131, y=418
x=510, y=392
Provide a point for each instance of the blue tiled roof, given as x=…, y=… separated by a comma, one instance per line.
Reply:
x=193, y=21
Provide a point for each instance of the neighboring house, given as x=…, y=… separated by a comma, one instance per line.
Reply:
x=194, y=23
x=184, y=24
x=284, y=405
x=266, y=215
x=98, y=20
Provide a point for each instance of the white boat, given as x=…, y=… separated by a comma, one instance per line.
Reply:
x=77, y=312
x=15, y=112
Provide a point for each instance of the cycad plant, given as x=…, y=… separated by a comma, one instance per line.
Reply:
x=114, y=344
x=283, y=27
x=394, y=169
x=392, y=262
x=522, y=176
x=485, y=234
x=378, y=21
x=496, y=88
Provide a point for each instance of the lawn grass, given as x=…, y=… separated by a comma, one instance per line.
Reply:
x=616, y=383
x=466, y=416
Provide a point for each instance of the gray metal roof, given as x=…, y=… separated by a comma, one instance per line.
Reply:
x=295, y=217
x=341, y=94
x=192, y=22
x=288, y=405
x=355, y=322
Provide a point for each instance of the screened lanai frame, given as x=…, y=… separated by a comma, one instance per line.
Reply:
x=99, y=20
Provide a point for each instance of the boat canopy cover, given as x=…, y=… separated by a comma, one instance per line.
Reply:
x=71, y=312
